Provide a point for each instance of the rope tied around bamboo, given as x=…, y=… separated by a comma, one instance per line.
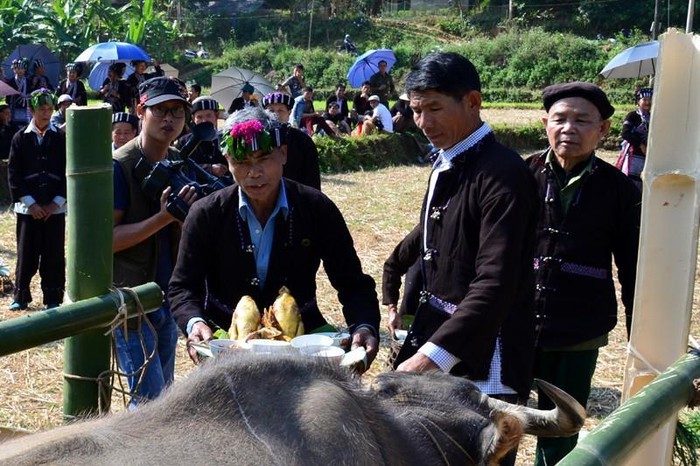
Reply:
x=106, y=380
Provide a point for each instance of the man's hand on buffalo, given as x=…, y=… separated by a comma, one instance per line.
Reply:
x=394, y=318
x=417, y=363
x=200, y=332
x=365, y=338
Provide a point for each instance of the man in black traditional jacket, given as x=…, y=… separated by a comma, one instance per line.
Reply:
x=475, y=241
x=263, y=233
x=37, y=177
x=589, y=214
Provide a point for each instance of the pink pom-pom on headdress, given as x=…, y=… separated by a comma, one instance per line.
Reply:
x=248, y=130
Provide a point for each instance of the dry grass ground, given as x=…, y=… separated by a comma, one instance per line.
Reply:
x=379, y=207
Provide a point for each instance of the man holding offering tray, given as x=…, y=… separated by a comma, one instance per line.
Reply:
x=261, y=234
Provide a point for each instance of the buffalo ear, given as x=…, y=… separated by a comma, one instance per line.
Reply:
x=509, y=431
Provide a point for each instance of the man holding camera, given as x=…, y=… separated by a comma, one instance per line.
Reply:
x=263, y=233
x=146, y=235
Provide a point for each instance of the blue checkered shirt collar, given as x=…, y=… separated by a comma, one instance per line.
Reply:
x=446, y=156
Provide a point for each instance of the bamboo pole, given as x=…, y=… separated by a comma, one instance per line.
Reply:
x=618, y=436
x=89, y=248
x=39, y=328
x=669, y=231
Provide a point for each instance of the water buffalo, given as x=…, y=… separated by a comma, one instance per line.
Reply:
x=278, y=410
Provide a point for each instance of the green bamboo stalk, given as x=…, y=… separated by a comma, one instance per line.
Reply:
x=89, y=248
x=614, y=439
x=39, y=328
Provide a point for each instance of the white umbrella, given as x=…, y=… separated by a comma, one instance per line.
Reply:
x=227, y=85
x=634, y=62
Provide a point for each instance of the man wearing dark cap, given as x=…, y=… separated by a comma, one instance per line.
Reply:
x=72, y=85
x=245, y=100
x=302, y=155
x=146, y=235
x=207, y=153
x=474, y=241
x=589, y=214
x=125, y=126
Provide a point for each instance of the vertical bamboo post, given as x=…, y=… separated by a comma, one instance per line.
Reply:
x=669, y=232
x=89, y=249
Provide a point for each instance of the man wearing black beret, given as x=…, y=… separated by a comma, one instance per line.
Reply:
x=589, y=213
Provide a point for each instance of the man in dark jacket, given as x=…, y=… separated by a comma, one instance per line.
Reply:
x=589, y=214
x=263, y=233
x=37, y=178
x=340, y=99
x=475, y=241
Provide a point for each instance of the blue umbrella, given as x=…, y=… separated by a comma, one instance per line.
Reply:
x=633, y=62
x=52, y=67
x=367, y=64
x=113, y=51
x=98, y=74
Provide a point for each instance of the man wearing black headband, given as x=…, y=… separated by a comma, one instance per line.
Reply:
x=589, y=214
x=302, y=154
x=261, y=234
x=207, y=153
x=37, y=178
x=125, y=127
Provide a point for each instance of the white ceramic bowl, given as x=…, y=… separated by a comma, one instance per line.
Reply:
x=341, y=339
x=312, y=339
x=270, y=346
x=218, y=347
x=333, y=354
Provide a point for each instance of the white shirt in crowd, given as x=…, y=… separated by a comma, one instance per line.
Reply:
x=385, y=117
